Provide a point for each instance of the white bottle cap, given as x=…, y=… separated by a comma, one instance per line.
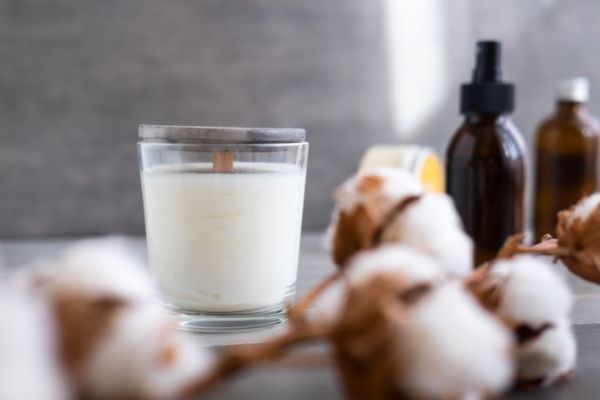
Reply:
x=574, y=89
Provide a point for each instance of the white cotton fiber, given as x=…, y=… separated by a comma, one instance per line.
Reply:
x=549, y=357
x=397, y=184
x=388, y=260
x=329, y=305
x=98, y=267
x=137, y=353
x=533, y=293
x=451, y=345
x=432, y=225
x=403, y=261
x=535, y=300
x=143, y=356
x=29, y=366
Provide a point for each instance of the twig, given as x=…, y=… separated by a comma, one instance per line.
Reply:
x=297, y=312
x=238, y=359
x=557, y=251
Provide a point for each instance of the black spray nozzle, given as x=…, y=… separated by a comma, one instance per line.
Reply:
x=488, y=67
x=487, y=93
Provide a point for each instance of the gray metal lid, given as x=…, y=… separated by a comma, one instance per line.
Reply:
x=210, y=134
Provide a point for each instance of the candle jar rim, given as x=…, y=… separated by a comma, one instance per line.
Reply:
x=219, y=135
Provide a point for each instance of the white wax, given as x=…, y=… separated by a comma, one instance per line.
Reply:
x=224, y=242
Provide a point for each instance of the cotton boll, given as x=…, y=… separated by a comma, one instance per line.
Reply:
x=97, y=290
x=116, y=340
x=398, y=338
x=29, y=366
x=412, y=265
x=144, y=357
x=450, y=346
x=548, y=358
x=532, y=293
x=97, y=267
x=404, y=262
x=535, y=303
x=392, y=184
x=432, y=225
x=363, y=204
x=578, y=244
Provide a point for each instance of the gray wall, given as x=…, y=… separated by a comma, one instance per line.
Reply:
x=77, y=77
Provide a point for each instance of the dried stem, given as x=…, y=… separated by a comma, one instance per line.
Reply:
x=238, y=359
x=510, y=246
x=547, y=247
x=297, y=313
x=557, y=251
x=307, y=359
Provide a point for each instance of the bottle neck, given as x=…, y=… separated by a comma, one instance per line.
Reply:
x=565, y=108
x=491, y=119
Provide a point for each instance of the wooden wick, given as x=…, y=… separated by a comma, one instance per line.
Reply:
x=222, y=161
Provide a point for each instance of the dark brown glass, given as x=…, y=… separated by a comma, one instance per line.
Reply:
x=485, y=172
x=566, y=163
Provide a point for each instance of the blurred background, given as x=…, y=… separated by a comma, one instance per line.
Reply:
x=77, y=77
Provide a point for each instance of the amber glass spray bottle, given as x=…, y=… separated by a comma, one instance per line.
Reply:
x=566, y=155
x=485, y=163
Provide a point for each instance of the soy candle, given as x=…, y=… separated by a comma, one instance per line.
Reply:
x=223, y=211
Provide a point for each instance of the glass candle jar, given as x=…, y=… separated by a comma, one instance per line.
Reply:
x=223, y=211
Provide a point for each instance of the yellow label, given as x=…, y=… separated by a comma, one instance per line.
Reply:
x=419, y=161
x=431, y=174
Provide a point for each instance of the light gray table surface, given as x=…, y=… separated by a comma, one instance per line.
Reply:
x=318, y=380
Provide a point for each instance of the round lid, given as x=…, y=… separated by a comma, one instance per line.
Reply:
x=211, y=134
x=574, y=89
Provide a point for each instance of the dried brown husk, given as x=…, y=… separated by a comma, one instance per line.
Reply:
x=579, y=243
x=355, y=228
x=82, y=322
x=486, y=287
x=354, y=232
x=364, y=339
x=362, y=227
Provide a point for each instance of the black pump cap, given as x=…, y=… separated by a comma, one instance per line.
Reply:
x=487, y=93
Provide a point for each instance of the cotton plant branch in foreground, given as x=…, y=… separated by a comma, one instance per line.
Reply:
x=577, y=242
x=390, y=323
x=404, y=316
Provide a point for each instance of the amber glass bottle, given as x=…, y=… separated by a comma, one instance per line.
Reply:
x=566, y=155
x=485, y=163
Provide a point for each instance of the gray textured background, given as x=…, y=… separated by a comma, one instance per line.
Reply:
x=77, y=77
